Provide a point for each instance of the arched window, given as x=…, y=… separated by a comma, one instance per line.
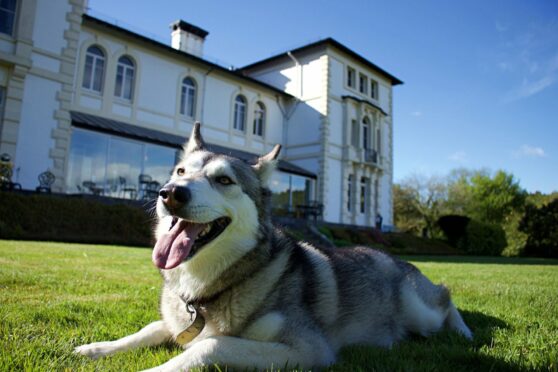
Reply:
x=365, y=133
x=124, y=85
x=94, y=70
x=188, y=97
x=259, y=119
x=239, y=113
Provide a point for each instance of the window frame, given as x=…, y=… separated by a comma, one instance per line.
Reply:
x=95, y=60
x=123, y=69
x=373, y=89
x=13, y=13
x=363, y=83
x=366, y=128
x=240, y=108
x=351, y=77
x=185, y=90
x=349, y=193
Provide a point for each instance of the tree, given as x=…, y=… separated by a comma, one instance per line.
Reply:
x=419, y=202
x=541, y=226
x=492, y=199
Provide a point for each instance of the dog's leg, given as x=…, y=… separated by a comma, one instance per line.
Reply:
x=455, y=321
x=153, y=334
x=239, y=353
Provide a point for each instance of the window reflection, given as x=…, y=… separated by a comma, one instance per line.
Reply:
x=111, y=166
x=289, y=191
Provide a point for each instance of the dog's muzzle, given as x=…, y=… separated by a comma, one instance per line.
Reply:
x=174, y=196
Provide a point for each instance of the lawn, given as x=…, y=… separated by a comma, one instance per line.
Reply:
x=56, y=296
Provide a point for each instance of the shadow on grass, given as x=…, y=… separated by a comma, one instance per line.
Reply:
x=445, y=351
x=483, y=260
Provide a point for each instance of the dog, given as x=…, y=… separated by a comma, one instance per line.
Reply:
x=240, y=293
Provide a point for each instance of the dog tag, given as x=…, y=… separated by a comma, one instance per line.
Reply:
x=194, y=329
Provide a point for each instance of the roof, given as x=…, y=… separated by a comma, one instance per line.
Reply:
x=187, y=57
x=322, y=43
x=366, y=102
x=110, y=126
x=183, y=25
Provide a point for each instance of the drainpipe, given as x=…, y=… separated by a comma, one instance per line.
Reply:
x=203, y=95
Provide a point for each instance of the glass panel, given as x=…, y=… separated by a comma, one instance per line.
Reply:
x=190, y=96
x=298, y=190
x=183, y=100
x=87, y=72
x=98, y=78
x=125, y=61
x=96, y=51
x=129, y=83
x=88, y=155
x=123, y=166
x=7, y=16
x=279, y=186
x=159, y=162
x=119, y=78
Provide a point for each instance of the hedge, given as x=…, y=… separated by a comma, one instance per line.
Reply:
x=72, y=219
x=483, y=239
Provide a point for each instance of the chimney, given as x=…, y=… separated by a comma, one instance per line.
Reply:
x=188, y=38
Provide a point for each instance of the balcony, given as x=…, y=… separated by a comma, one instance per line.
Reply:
x=371, y=156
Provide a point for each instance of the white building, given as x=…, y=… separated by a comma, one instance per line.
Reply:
x=102, y=107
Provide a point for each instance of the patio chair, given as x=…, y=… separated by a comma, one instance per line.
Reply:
x=46, y=179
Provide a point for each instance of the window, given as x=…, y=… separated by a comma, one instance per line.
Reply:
x=289, y=190
x=363, y=84
x=239, y=113
x=373, y=89
x=365, y=133
x=351, y=76
x=259, y=119
x=378, y=141
x=354, y=133
x=188, y=97
x=349, y=192
x=363, y=194
x=94, y=69
x=7, y=16
x=124, y=85
x=2, y=99
x=113, y=163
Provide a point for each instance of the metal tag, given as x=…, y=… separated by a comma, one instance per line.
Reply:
x=194, y=329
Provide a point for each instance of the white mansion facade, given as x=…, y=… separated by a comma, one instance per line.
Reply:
x=101, y=106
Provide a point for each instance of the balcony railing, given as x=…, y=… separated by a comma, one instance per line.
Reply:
x=371, y=156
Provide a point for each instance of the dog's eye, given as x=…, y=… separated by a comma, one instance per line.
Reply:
x=224, y=180
x=180, y=171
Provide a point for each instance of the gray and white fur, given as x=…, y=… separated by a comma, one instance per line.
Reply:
x=266, y=299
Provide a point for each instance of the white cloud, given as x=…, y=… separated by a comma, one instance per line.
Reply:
x=459, y=157
x=529, y=151
x=416, y=113
x=530, y=88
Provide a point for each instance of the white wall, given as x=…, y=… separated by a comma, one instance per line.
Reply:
x=50, y=24
x=37, y=122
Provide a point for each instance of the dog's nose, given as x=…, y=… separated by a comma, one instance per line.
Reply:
x=174, y=196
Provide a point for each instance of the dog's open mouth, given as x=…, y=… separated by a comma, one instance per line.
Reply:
x=184, y=239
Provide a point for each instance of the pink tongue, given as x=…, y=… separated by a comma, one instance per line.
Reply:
x=174, y=246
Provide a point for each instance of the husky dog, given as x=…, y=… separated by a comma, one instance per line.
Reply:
x=237, y=292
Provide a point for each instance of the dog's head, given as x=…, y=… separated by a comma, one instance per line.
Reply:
x=209, y=210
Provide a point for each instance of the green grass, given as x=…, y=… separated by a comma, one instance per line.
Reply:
x=55, y=296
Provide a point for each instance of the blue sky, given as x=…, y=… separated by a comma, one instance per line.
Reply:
x=481, y=77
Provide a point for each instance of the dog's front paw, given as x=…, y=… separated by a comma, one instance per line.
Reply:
x=96, y=349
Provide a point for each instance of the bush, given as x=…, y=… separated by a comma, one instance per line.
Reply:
x=483, y=239
x=68, y=219
x=454, y=227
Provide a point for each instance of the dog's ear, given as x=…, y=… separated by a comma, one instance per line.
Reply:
x=195, y=142
x=266, y=164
